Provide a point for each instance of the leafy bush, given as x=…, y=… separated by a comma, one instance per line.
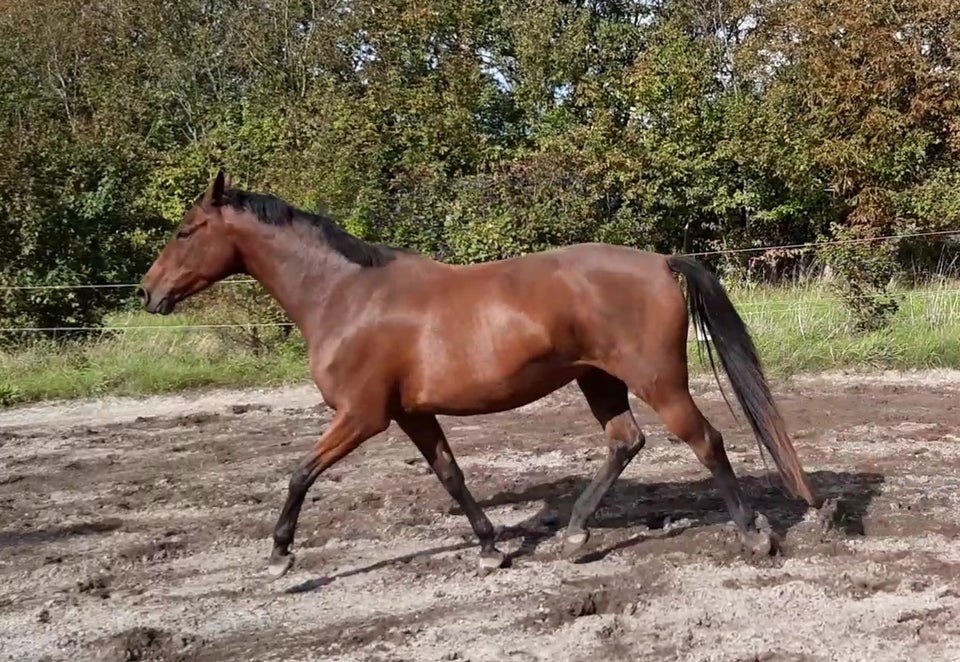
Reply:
x=71, y=217
x=862, y=276
x=245, y=316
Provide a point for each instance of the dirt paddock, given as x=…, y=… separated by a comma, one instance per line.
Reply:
x=139, y=530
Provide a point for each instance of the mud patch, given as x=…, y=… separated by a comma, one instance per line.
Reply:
x=587, y=602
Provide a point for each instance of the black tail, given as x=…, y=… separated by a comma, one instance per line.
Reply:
x=711, y=310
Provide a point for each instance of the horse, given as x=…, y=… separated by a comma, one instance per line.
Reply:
x=395, y=336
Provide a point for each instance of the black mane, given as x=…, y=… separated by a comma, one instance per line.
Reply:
x=272, y=210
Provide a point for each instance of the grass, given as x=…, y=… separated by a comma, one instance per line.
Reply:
x=806, y=329
x=145, y=359
x=797, y=329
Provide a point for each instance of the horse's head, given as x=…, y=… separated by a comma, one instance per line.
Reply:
x=201, y=253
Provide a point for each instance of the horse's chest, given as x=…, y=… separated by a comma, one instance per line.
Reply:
x=325, y=373
x=343, y=371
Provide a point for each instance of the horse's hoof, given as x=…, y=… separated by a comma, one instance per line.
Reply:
x=492, y=560
x=573, y=541
x=280, y=564
x=760, y=543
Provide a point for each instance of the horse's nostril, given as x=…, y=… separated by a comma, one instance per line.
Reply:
x=144, y=295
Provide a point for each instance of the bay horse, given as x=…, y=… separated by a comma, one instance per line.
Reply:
x=396, y=336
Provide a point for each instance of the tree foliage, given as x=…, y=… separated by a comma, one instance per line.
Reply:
x=475, y=130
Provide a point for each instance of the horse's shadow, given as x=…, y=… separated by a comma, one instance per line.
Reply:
x=10, y=539
x=631, y=503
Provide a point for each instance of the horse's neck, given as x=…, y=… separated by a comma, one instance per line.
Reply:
x=299, y=272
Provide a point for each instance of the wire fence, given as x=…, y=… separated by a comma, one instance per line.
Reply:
x=732, y=251
x=143, y=327
x=824, y=244
x=750, y=309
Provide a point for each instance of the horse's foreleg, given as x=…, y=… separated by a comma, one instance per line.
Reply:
x=426, y=433
x=344, y=434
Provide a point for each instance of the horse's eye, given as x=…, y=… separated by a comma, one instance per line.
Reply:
x=183, y=234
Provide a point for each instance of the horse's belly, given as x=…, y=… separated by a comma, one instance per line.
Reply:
x=465, y=395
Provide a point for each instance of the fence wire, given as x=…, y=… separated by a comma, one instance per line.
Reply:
x=750, y=309
x=731, y=251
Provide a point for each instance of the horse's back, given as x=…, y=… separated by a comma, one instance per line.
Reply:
x=560, y=292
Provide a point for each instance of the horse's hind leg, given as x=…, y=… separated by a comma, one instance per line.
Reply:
x=683, y=418
x=426, y=433
x=607, y=397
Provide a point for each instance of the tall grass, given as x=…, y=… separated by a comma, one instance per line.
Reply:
x=145, y=359
x=805, y=328
x=798, y=328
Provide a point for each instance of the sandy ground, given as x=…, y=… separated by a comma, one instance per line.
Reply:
x=139, y=530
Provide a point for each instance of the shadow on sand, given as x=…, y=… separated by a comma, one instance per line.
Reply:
x=633, y=503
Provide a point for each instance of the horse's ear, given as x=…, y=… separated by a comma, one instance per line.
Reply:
x=214, y=194
x=228, y=183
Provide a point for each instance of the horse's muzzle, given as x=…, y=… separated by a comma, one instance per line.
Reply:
x=157, y=305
